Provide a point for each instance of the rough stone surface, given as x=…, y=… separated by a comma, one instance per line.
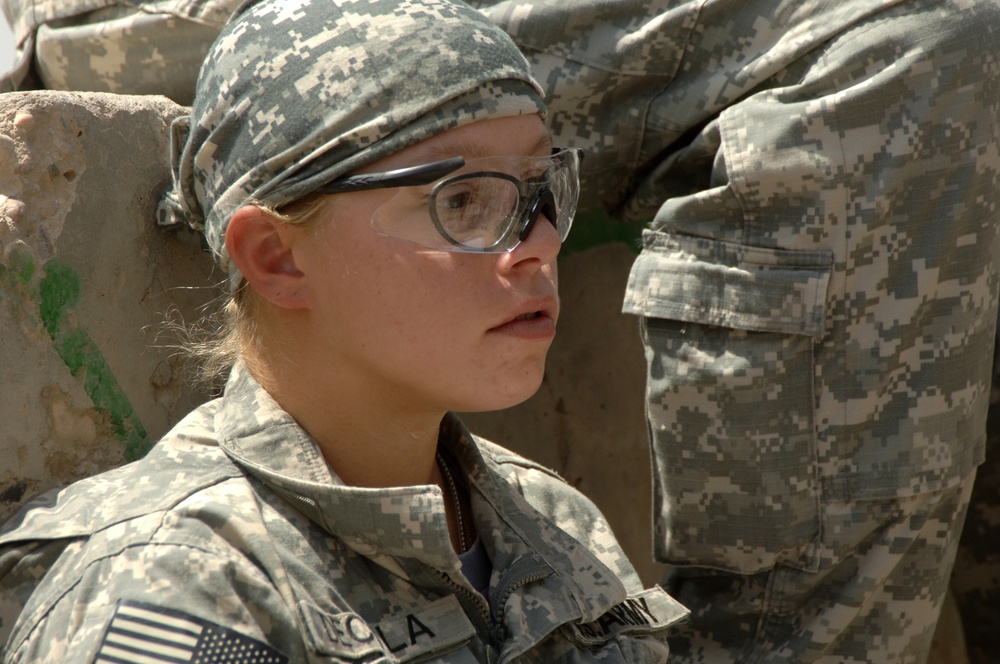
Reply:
x=84, y=280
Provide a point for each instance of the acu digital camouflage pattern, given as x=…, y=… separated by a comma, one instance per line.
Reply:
x=295, y=93
x=818, y=287
x=819, y=292
x=118, y=46
x=235, y=518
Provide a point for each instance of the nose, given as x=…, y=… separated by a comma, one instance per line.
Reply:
x=540, y=241
x=543, y=204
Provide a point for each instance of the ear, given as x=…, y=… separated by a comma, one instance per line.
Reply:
x=262, y=247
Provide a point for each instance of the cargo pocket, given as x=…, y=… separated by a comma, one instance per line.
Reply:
x=729, y=333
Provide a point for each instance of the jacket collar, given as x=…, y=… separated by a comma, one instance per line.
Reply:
x=264, y=440
x=409, y=522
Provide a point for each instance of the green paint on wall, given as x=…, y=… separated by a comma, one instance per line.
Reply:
x=22, y=265
x=19, y=270
x=59, y=292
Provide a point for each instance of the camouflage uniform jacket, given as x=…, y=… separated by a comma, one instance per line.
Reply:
x=235, y=521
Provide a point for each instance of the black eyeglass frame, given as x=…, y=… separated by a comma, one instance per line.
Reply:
x=411, y=176
x=542, y=202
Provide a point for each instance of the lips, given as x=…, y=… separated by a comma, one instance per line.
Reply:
x=532, y=319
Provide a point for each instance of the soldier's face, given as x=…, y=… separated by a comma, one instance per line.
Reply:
x=431, y=329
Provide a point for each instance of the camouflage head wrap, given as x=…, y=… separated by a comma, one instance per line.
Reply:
x=295, y=93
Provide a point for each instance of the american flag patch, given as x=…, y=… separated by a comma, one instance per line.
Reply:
x=146, y=634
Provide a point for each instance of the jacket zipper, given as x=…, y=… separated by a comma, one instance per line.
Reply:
x=500, y=632
x=482, y=611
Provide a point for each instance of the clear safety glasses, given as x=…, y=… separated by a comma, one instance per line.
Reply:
x=483, y=205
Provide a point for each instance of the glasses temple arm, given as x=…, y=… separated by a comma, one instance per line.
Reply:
x=400, y=177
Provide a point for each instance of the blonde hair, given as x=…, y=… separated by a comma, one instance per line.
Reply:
x=234, y=326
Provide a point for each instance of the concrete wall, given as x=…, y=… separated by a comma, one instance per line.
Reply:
x=84, y=281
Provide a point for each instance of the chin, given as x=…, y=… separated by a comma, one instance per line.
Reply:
x=509, y=396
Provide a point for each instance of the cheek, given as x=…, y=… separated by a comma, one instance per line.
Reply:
x=412, y=299
x=391, y=289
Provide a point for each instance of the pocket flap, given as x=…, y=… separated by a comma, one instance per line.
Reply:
x=712, y=282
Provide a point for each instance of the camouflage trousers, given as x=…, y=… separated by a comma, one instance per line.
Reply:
x=818, y=322
x=879, y=603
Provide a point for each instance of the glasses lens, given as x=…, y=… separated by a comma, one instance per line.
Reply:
x=484, y=206
x=476, y=211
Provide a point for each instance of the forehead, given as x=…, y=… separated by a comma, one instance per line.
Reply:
x=522, y=135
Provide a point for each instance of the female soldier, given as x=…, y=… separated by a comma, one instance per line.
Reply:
x=378, y=183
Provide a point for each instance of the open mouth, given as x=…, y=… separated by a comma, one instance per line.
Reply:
x=539, y=324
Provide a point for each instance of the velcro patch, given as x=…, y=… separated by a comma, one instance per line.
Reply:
x=142, y=633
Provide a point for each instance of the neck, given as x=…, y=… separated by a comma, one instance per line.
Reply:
x=369, y=437
x=365, y=434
